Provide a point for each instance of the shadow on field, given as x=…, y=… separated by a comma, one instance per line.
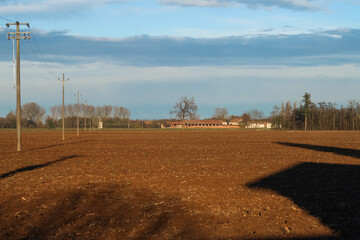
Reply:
x=60, y=144
x=295, y=238
x=34, y=167
x=340, y=151
x=101, y=211
x=329, y=192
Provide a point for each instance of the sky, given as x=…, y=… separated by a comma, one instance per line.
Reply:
x=147, y=54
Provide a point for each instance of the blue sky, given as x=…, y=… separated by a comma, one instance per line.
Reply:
x=145, y=55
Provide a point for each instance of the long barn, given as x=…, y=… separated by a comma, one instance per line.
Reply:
x=197, y=124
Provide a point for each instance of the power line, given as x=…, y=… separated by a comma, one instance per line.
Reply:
x=42, y=55
x=34, y=66
x=41, y=62
x=6, y=19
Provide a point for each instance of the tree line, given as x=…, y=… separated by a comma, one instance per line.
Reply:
x=304, y=114
x=34, y=115
x=316, y=116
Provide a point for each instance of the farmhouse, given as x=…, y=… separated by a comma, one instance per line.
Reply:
x=235, y=121
x=259, y=124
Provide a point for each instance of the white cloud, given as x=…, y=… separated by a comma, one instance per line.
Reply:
x=308, y=5
x=52, y=6
x=199, y=3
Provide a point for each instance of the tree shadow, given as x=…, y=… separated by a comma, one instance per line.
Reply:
x=340, y=151
x=277, y=238
x=101, y=211
x=329, y=192
x=56, y=145
x=34, y=167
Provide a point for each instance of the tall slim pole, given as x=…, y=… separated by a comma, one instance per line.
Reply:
x=63, y=106
x=90, y=118
x=18, y=98
x=77, y=129
x=85, y=115
x=18, y=35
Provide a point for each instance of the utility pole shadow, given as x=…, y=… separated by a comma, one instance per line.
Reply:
x=340, y=151
x=34, y=167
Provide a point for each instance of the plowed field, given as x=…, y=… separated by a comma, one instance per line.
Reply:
x=180, y=185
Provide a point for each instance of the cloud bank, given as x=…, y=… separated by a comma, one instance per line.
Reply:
x=320, y=48
x=56, y=6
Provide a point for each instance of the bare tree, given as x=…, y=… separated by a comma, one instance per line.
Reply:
x=185, y=108
x=353, y=108
x=82, y=109
x=10, y=120
x=220, y=113
x=99, y=111
x=33, y=112
x=126, y=113
x=122, y=112
x=195, y=117
x=255, y=114
x=70, y=110
x=107, y=110
x=55, y=112
x=117, y=112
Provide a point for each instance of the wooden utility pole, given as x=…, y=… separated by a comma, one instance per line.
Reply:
x=90, y=128
x=90, y=118
x=63, y=106
x=77, y=122
x=18, y=35
x=85, y=115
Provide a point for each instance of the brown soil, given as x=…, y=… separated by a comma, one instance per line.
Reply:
x=180, y=185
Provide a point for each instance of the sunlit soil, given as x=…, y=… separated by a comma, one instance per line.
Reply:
x=180, y=185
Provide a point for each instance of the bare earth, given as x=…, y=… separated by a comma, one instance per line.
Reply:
x=181, y=185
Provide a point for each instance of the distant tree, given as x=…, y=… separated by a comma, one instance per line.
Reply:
x=2, y=122
x=122, y=112
x=107, y=110
x=99, y=111
x=10, y=120
x=255, y=114
x=56, y=112
x=33, y=112
x=185, y=108
x=70, y=110
x=277, y=120
x=126, y=113
x=353, y=108
x=220, y=113
x=91, y=114
x=50, y=122
x=305, y=110
x=91, y=111
x=195, y=117
x=245, y=119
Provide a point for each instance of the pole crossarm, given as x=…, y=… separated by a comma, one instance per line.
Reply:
x=18, y=23
x=18, y=35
